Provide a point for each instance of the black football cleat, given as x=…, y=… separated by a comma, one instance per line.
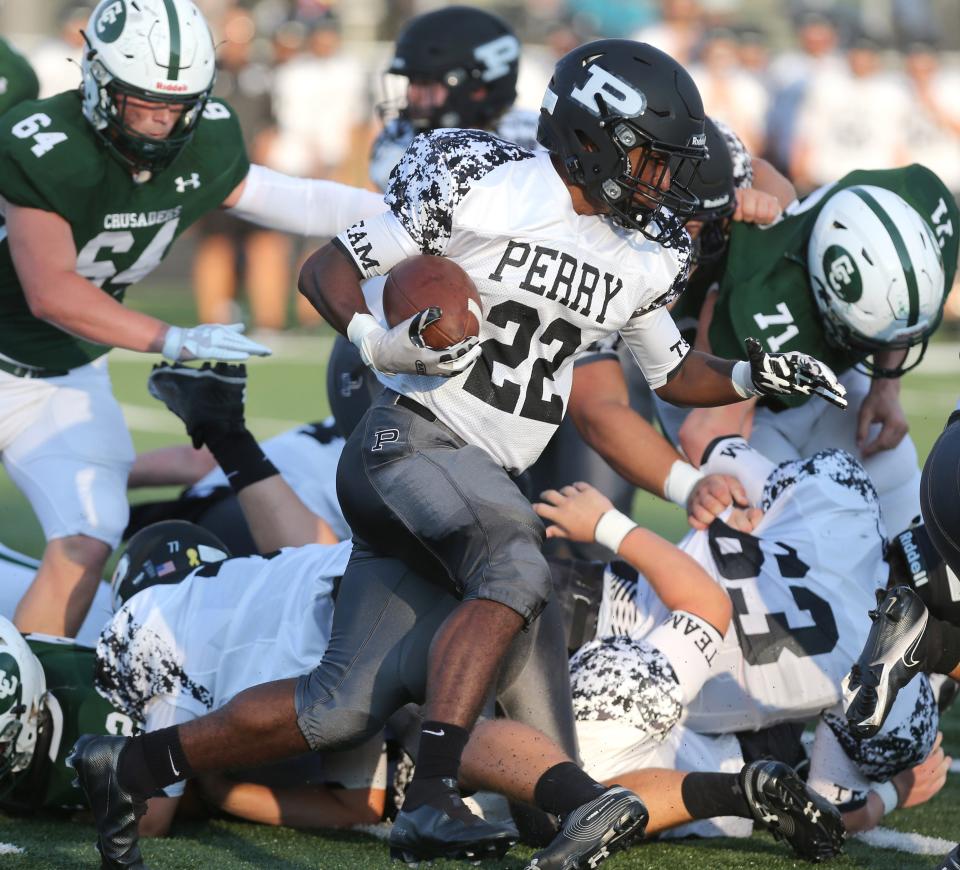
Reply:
x=785, y=806
x=448, y=830
x=951, y=861
x=609, y=823
x=115, y=811
x=891, y=657
x=208, y=399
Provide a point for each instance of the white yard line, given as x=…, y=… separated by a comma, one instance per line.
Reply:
x=10, y=849
x=916, y=844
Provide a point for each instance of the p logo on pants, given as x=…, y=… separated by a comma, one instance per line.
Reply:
x=385, y=436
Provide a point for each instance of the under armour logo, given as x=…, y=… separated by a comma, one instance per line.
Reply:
x=183, y=183
x=385, y=436
x=614, y=91
x=598, y=858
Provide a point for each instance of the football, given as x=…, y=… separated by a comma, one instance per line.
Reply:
x=422, y=282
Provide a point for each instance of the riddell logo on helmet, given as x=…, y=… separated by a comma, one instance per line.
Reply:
x=175, y=87
x=698, y=140
x=914, y=560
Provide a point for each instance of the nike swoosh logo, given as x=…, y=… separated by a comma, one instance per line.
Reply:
x=439, y=733
x=173, y=767
x=911, y=652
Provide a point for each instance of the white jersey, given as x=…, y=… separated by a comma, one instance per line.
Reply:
x=518, y=126
x=306, y=458
x=226, y=627
x=551, y=282
x=801, y=586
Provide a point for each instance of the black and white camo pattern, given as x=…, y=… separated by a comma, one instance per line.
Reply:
x=742, y=162
x=836, y=464
x=434, y=175
x=628, y=681
x=134, y=665
x=895, y=748
x=680, y=243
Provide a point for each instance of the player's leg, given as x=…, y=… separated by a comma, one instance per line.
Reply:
x=411, y=488
x=71, y=463
x=215, y=271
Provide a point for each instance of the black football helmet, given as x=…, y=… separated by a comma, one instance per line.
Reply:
x=161, y=553
x=714, y=185
x=473, y=53
x=609, y=97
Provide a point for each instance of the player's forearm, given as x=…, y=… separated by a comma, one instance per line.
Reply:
x=74, y=305
x=770, y=180
x=297, y=806
x=170, y=466
x=330, y=282
x=702, y=381
x=632, y=447
x=678, y=580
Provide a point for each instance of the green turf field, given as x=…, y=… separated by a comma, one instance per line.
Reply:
x=290, y=388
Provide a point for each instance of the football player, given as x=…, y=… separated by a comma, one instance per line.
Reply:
x=861, y=269
x=97, y=184
x=566, y=247
x=18, y=81
x=798, y=590
x=398, y=613
x=457, y=67
x=916, y=626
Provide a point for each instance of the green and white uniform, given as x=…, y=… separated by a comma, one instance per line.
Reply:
x=58, y=418
x=75, y=708
x=18, y=81
x=765, y=292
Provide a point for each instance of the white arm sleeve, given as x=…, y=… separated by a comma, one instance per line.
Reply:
x=734, y=456
x=656, y=345
x=305, y=206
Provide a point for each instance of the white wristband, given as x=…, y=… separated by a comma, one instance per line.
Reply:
x=887, y=792
x=612, y=528
x=173, y=343
x=360, y=326
x=742, y=380
x=681, y=480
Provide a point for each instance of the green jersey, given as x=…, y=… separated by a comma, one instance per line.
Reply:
x=52, y=160
x=18, y=81
x=765, y=289
x=75, y=708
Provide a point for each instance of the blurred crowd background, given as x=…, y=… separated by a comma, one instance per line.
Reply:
x=818, y=88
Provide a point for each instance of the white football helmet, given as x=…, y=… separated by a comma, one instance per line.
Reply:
x=877, y=273
x=158, y=50
x=23, y=692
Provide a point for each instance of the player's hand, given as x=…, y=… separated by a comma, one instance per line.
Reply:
x=401, y=350
x=573, y=511
x=916, y=785
x=792, y=373
x=881, y=405
x=711, y=496
x=209, y=399
x=756, y=206
x=214, y=341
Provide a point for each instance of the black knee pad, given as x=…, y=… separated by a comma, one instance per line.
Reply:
x=940, y=494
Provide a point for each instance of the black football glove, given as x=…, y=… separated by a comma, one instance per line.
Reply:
x=792, y=373
x=208, y=399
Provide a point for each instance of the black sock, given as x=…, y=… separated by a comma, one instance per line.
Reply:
x=241, y=458
x=706, y=795
x=941, y=646
x=152, y=761
x=438, y=759
x=563, y=788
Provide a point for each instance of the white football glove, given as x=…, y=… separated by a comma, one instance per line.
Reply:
x=211, y=341
x=401, y=350
x=792, y=373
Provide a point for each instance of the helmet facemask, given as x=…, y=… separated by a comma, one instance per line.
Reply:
x=107, y=98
